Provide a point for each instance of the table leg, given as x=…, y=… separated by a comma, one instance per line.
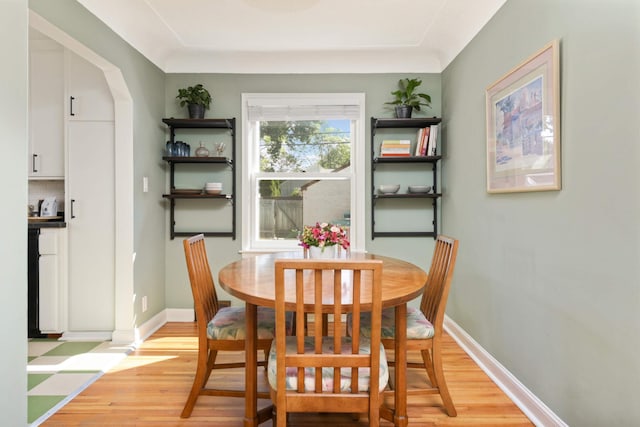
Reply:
x=400, y=394
x=251, y=370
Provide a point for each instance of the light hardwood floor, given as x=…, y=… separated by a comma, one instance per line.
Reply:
x=150, y=386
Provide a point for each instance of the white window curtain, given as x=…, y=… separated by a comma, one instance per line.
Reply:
x=302, y=112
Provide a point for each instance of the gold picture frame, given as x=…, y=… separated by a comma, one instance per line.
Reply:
x=523, y=126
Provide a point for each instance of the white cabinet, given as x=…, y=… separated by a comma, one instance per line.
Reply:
x=90, y=213
x=88, y=95
x=52, y=280
x=46, y=110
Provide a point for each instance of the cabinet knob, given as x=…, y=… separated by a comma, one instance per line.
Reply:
x=71, y=99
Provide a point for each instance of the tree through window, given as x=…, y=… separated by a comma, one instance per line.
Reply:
x=310, y=146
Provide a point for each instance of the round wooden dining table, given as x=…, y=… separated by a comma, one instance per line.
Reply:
x=252, y=279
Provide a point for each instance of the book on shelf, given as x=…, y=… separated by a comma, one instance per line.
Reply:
x=433, y=141
x=395, y=150
x=419, y=142
x=395, y=147
x=395, y=155
x=387, y=146
x=396, y=141
x=404, y=143
x=422, y=139
x=425, y=140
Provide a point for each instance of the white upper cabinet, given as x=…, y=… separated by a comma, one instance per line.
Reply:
x=88, y=96
x=46, y=110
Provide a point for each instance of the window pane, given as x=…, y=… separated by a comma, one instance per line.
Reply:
x=287, y=205
x=300, y=154
x=305, y=146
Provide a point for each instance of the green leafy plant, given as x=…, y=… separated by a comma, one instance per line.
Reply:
x=406, y=95
x=194, y=95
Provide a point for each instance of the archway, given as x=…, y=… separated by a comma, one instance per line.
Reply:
x=124, y=330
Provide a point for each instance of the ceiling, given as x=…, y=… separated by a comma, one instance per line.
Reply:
x=296, y=36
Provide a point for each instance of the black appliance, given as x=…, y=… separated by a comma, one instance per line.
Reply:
x=33, y=278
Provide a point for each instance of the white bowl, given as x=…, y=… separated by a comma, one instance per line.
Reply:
x=419, y=188
x=389, y=188
x=213, y=184
x=211, y=191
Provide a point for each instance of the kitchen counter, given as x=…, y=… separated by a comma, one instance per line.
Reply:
x=47, y=224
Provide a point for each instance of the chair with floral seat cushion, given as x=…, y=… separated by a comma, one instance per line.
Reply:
x=219, y=328
x=330, y=236
x=424, y=324
x=327, y=373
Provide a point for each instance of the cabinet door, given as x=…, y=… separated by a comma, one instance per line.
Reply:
x=46, y=110
x=90, y=213
x=49, y=292
x=88, y=95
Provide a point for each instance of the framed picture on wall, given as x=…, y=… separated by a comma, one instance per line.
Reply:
x=523, y=126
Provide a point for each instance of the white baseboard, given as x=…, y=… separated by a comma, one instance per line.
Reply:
x=86, y=336
x=533, y=408
x=135, y=336
x=180, y=315
x=125, y=336
x=145, y=330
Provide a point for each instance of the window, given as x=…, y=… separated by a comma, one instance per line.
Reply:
x=303, y=162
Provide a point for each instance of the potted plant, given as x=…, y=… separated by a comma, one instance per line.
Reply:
x=407, y=99
x=197, y=99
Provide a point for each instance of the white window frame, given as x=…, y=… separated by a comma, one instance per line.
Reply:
x=251, y=173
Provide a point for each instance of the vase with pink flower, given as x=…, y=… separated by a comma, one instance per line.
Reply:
x=323, y=239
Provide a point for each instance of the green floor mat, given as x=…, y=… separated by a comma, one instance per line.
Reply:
x=72, y=348
x=39, y=405
x=35, y=379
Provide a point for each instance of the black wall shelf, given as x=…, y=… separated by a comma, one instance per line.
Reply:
x=376, y=161
x=174, y=195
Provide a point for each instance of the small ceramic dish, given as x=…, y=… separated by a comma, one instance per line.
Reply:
x=419, y=188
x=389, y=188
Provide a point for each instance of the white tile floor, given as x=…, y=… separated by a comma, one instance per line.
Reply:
x=58, y=371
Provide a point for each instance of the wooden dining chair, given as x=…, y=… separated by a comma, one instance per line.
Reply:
x=327, y=373
x=424, y=324
x=219, y=328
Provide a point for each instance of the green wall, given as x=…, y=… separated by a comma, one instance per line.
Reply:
x=13, y=268
x=227, y=89
x=548, y=282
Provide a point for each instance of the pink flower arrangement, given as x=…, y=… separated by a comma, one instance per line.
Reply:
x=322, y=235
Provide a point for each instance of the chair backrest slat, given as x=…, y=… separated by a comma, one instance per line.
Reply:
x=434, y=298
x=202, y=285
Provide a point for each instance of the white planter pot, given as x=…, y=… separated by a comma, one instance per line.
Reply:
x=329, y=252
